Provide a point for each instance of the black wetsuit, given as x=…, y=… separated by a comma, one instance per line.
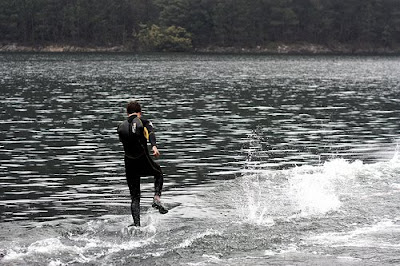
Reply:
x=137, y=159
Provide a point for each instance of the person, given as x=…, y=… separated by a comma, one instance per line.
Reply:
x=134, y=133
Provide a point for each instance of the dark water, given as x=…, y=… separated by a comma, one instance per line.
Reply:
x=278, y=160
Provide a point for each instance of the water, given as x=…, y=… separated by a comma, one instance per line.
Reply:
x=278, y=160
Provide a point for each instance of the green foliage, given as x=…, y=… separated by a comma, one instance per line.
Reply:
x=240, y=23
x=173, y=39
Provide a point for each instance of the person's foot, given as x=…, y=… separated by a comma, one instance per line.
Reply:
x=136, y=224
x=159, y=206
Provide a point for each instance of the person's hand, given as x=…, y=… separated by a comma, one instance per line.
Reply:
x=156, y=153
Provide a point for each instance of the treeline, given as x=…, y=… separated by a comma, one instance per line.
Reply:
x=187, y=24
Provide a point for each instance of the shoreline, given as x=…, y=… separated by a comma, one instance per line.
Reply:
x=57, y=48
x=275, y=48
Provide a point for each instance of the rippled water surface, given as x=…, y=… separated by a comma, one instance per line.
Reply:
x=268, y=159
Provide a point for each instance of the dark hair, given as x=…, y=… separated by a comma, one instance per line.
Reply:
x=133, y=107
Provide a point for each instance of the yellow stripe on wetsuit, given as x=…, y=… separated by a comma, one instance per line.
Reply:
x=145, y=131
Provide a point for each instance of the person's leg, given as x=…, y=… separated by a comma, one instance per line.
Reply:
x=158, y=180
x=135, y=209
x=133, y=181
x=158, y=185
x=149, y=167
x=152, y=168
x=134, y=188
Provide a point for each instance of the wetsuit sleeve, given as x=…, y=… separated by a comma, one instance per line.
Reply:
x=119, y=132
x=150, y=129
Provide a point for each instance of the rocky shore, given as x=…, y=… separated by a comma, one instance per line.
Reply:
x=306, y=48
x=59, y=48
x=274, y=48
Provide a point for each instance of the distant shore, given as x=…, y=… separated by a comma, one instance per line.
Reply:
x=275, y=48
x=58, y=48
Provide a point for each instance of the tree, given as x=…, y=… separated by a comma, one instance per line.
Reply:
x=9, y=20
x=226, y=23
x=283, y=20
x=173, y=39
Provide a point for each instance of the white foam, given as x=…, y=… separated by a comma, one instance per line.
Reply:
x=314, y=189
x=96, y=239
x=375, y=236
x=348, y=258
x=48, y=247
x=253, y=200
x=56, y=263
x=212, y=258
x=261, y=196
x=269, y=253
x=395, y=159
x=314, y=195
x=188, y=242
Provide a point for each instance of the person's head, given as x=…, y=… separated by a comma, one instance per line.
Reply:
x=133, y=107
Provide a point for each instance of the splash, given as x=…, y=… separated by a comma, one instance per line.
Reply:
x=396, y=158
x=266, y=195
x=316, y=190
x=83, y=244
x=381, y=234
x=188, y=242
x=254, y=199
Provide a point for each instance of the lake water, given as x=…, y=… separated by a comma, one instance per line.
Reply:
x=268, y=160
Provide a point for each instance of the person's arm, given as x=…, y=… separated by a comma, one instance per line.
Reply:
x=156, y=153
x=152, y=138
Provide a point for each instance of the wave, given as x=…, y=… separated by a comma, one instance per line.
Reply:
x=260, y=196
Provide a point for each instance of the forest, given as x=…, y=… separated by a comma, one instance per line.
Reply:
x=186, y=25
